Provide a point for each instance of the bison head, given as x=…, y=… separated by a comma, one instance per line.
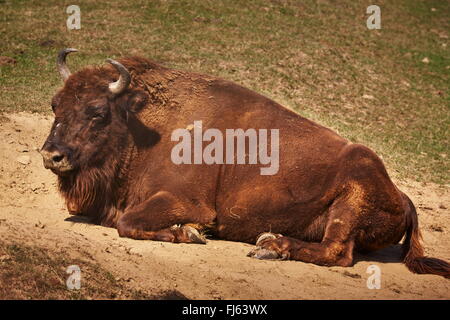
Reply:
x=91, y=113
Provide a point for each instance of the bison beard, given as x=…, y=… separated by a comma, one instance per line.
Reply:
x=92, y=192
x=330, y=197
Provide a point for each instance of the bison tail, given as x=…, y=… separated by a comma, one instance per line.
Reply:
x=413, y=252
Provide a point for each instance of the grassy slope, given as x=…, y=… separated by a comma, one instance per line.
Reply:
x=31, y=272
x=316, y=57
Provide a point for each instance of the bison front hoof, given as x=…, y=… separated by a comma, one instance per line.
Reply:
x=192, y=235
x=264, y=254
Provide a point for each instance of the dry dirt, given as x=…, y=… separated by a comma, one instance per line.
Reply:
x=33, y=213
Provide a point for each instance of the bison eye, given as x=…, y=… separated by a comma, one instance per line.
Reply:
x=98, y=116
x=96, y=112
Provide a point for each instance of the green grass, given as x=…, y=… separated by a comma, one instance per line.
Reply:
x=316, y=57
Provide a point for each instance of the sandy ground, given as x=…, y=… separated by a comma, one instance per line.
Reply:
x=32, y=212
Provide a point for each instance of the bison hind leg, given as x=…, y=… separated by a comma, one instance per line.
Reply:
x=325, y=253
x=335, y=248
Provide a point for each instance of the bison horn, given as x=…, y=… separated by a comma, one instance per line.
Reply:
x=61, y=62
x=124, y=80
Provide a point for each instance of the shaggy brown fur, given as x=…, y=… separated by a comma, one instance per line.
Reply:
x=329, y=198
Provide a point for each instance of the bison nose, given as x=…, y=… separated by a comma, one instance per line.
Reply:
x=55, y=159
x=51, y=158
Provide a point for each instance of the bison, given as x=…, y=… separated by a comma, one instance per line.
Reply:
x=110, y=146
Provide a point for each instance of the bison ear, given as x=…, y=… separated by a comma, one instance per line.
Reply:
x=134, y=101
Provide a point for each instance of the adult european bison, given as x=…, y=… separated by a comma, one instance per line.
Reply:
x=110, y=146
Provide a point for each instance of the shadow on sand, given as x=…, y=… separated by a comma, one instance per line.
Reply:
x=79, y=219
x=392, y=254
